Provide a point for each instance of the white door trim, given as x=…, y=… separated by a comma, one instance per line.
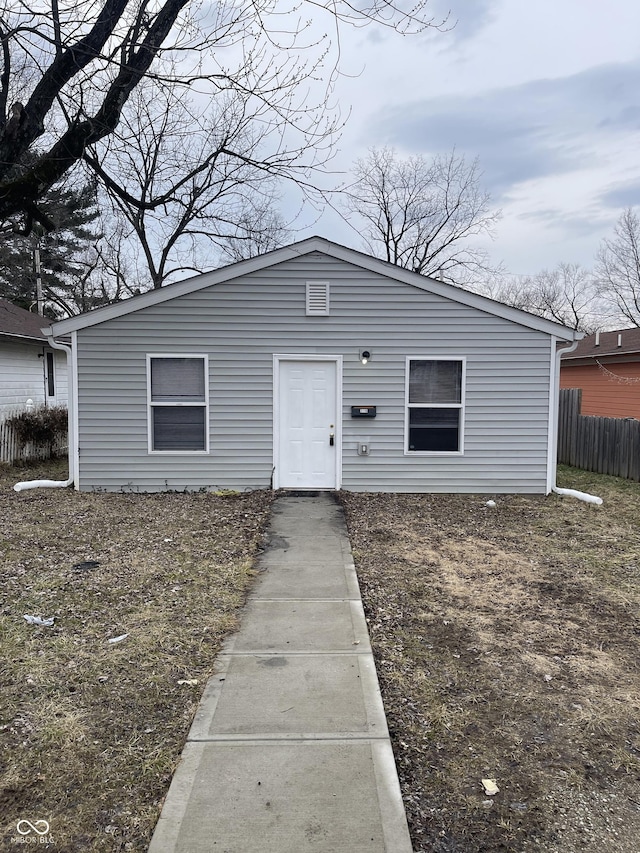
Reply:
x=337, y=360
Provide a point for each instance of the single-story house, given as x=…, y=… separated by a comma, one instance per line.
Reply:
x=314, y=366
x=606, y=366
x=29, y=368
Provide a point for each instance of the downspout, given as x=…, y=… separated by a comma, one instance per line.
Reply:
x=59, y=484
x=553, y=439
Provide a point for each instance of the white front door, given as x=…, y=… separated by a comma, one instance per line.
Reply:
x=307, y=436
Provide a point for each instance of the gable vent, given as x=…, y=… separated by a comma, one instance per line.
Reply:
x=317, y=298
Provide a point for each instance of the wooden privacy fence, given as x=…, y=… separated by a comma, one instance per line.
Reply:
x=12, y=450
x=604, y=445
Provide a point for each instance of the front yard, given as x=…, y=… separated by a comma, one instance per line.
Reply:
x=91, y=730
x=507, y=643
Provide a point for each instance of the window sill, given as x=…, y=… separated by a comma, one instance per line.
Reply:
x=178, y=453
x=434, y=452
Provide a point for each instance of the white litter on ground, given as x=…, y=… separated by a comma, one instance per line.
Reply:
x=36, y=620
x=118, y=639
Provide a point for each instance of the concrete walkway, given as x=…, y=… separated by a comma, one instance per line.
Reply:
x=289, y=751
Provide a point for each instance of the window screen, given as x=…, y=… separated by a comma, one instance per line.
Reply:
x=435, y=381
x=178, y=428
x=434, y=406
x=176, y=379
x=178, y=403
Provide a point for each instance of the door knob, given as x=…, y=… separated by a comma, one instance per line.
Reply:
x=331, y=439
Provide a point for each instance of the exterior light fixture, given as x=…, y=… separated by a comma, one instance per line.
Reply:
x=365, y=356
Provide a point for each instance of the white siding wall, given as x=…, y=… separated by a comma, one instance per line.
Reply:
x=241, y=323
x=22, y=376
x=60, y=397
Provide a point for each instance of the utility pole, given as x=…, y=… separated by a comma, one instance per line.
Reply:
x=40, y=300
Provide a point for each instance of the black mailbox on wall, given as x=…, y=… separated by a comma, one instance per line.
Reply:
x=363, y=411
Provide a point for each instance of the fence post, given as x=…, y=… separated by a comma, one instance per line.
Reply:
x=568, y=413
x=604, y=445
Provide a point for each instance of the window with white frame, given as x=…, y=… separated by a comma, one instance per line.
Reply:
x=50, y=372
x=178, y=403
x=435, y=402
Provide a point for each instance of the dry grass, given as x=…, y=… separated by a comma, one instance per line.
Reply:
x=507, y=644
x=91, y=731
x=508, y=647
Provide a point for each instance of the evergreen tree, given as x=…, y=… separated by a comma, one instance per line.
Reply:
x=65, y=254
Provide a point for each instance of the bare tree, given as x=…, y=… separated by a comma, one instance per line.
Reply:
x=68, y=70
x=421, y=213
x=119, y=276
x=211, y=200
x=618, y=268
x=258, y=229
x=567, y=295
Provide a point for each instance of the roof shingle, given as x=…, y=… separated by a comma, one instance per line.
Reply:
x=20, y=323
x=608, y=344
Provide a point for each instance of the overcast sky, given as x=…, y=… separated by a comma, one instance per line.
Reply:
x=545, y=94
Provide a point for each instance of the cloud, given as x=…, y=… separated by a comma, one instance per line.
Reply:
x=627, y=118
x=464, y=18
x=457, y=20
x=520, y=133
x=622, y=195
x=585, y=224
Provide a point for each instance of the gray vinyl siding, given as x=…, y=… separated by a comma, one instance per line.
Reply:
x=241, y=323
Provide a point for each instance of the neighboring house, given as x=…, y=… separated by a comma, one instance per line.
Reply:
x=606, y=366
x=29, y=368
x=314, y=367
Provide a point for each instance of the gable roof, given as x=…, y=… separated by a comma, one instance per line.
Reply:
x=607, y=344
x=17, y=323
x=297, y=250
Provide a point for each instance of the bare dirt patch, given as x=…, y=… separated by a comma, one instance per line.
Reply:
x=91, y=731
x=507, y=642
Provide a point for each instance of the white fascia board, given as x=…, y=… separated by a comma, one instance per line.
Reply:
x=596, y=355
x=31, y=339
x=455, y=294
x=189, y=285
x=305, y=247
